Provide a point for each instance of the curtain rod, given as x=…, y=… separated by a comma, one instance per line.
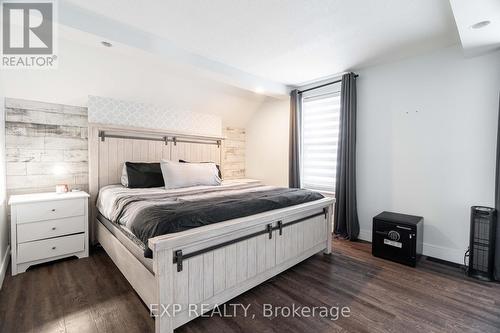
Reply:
x=323, y=85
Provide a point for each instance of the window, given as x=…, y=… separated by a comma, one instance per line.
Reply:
x=319, y=138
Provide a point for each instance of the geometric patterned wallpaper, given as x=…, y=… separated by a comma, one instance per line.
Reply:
x=112, y=111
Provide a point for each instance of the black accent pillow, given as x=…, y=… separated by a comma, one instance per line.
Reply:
x=217, y=166
x=143, y=175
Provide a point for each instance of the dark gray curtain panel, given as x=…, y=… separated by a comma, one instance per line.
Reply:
x=294, y=151
x=497, y=201
x=346, y=213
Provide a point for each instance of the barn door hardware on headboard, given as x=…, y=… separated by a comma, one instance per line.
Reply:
x=206, y=140
x=103, y=135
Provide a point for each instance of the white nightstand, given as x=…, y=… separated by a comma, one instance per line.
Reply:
x=48, y=226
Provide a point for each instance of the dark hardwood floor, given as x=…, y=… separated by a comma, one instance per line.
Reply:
x=91, y=295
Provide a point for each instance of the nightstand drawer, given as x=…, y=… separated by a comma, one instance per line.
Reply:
x=50, y=248
x=46, y=229
x=40, y=211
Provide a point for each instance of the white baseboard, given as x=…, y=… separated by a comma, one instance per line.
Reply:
x=431, y=250
x=365, y=235
x=444, y=253
x=4, y=264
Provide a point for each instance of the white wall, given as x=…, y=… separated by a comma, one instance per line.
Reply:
x=4, y=229
x=87, y=68
x=427, y=143
x=267, y=143
x=436, y=162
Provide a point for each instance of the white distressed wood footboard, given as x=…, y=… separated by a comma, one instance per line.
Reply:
x=204, y=267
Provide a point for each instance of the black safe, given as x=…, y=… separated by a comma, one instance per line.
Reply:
x=398, y=237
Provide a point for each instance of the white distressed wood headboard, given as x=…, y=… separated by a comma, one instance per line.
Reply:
x=111, y=146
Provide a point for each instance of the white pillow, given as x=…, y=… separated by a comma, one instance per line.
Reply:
x=124, y=178
x=178, y=175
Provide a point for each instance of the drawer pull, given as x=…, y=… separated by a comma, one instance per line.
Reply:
x=53, y=209
x=53, y=247
x=53, y=228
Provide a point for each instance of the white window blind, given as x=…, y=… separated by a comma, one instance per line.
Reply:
x=320, y=130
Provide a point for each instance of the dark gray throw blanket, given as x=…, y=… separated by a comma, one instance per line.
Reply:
x=168, y=218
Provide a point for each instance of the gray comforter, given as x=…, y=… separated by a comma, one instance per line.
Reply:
x=153, y=214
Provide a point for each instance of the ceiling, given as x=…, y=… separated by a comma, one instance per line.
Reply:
x=290, y=41
x=467, y=13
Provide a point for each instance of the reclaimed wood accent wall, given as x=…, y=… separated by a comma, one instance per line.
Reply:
x=233, y=153
x=46, y=144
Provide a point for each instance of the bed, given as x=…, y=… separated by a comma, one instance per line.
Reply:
x=198, y=264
